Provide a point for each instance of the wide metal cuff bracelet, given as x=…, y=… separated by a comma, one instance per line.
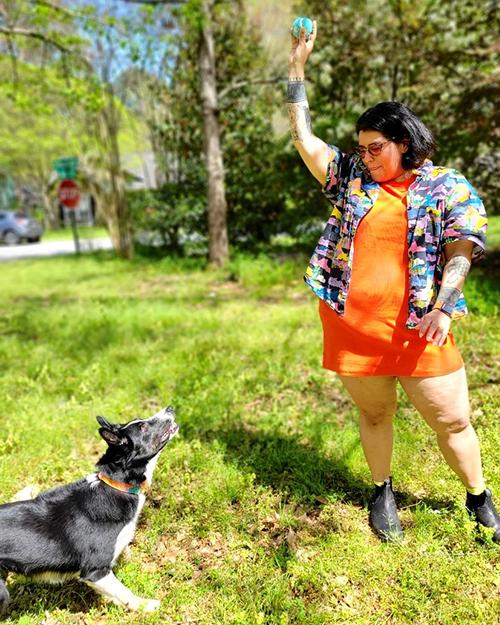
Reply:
x=296, y=91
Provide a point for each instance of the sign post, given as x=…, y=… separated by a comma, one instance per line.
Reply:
x=69, y=193
x=69, y=196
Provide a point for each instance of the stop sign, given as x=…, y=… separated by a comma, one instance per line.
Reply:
x=69, y=193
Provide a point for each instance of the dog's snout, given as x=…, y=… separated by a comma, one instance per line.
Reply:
x=169, y=415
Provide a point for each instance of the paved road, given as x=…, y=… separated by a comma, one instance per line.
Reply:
x=51, y=248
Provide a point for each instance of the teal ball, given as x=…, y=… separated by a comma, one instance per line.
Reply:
x=300, y=22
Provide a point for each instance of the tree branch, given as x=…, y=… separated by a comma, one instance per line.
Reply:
x=33, y=34
x=55, y=7
x=155, y=2
x=244, y=83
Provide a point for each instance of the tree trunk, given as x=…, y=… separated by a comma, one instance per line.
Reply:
x=218, y=247
x=51, y=215
x=118, y=220
x=119, y=223
x=395, y=82
x=50, y=205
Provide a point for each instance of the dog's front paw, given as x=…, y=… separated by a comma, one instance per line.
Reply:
x=148, y=605
x=4, y=597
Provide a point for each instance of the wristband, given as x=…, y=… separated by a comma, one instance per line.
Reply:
x=296, y=91
x=445, y=308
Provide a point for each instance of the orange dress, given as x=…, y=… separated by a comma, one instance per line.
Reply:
x=372, y=338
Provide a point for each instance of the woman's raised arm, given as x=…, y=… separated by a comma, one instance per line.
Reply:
x=314, y=152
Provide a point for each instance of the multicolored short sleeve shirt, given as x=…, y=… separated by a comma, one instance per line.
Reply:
x=442, y=207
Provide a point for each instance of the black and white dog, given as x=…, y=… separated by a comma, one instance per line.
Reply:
x=79, y=530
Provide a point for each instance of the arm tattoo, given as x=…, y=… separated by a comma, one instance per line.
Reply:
x=455, y=272
x=456, y=268
x=300, y=121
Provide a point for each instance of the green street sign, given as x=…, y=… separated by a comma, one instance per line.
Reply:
x=66, y=168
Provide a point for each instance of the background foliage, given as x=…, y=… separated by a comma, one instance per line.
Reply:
x=440, y=58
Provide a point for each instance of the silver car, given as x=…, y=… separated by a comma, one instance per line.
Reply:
x=16, y=227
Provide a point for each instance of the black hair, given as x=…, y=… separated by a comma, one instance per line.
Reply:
x=400, y=124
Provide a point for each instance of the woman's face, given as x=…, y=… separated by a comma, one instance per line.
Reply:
x=388, y=164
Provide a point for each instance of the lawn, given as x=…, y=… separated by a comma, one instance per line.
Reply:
x=84, y=232
x=258, y=511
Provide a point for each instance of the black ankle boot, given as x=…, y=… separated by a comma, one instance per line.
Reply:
x=384, y=515
x=482, y=509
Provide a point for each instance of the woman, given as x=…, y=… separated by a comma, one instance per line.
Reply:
x=389, y=270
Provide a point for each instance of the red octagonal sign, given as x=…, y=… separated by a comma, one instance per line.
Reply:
x=69, y=193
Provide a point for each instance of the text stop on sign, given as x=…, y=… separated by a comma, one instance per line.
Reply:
x=69, y=193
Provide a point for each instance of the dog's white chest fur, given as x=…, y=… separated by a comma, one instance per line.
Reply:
x=127, y=533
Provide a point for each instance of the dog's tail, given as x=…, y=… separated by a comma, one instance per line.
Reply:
x=4, y=594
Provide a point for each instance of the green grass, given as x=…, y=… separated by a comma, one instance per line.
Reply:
x=494, y=232
x=258, y=511
x=84, y=232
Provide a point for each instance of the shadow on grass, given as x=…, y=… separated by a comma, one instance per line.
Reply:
x=299, y=472
x=29, y=598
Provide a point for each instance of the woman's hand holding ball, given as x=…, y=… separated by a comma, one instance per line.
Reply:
x=303, y=35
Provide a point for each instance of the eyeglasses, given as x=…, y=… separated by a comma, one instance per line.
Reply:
x=374, y=148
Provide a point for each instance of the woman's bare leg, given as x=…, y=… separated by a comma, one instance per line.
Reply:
x=375, y=397
x=443, y=401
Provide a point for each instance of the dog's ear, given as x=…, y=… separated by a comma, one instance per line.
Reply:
x=105, y=423
x=110, y=432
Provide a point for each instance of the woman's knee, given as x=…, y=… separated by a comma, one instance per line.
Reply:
x=443, y=401
x=375, y=397
x=380, y=415
x=446, y=424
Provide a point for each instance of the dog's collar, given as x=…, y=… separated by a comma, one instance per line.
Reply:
x=124, y=488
